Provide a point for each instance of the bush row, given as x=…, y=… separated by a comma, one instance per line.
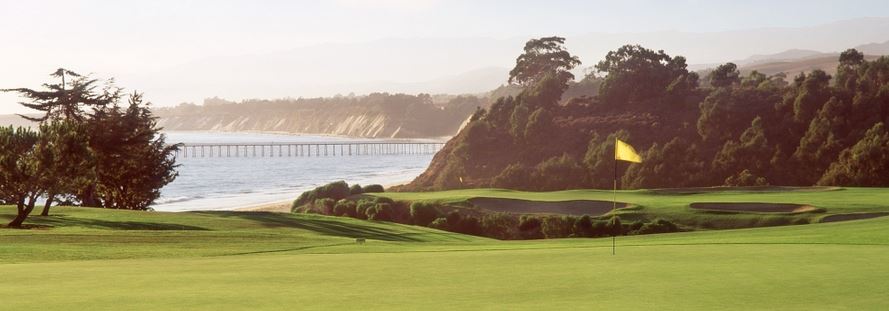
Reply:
x=335, y=191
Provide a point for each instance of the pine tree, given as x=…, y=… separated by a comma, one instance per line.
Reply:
x=133, y=160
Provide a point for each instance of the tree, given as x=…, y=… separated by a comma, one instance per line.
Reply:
x=751, y=152
x=851, y=57
x=559, y=173
x=864, y=164
x=636, y=74
x=814, y=91
x=541, y=57
x=673, y=165
x=725, y=75
x=726, y=112
x=20, y=164
x=64, y=106
x=514, y=176
x=70, y=161
x=64, y=101
x=599, y=159
x=823, y=141
x=133, y=160
x=540, y=127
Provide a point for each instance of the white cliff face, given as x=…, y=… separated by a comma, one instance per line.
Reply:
x=367, y=125
x=377, y=115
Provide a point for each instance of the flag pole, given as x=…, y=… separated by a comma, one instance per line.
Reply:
x=614, y=199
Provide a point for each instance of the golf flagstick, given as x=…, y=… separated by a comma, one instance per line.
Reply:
x=614, y=206
x=622, y=152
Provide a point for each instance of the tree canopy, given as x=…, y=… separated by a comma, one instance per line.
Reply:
x=88, y=149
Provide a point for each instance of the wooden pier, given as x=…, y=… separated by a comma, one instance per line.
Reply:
x=320, y=149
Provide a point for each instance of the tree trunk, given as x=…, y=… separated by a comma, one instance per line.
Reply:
x=23, y=212
x=88, y=197
x=46, y=206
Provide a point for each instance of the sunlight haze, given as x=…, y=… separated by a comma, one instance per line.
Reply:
x=185, y=51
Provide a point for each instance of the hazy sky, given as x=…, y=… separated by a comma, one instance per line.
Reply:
x=117, y=38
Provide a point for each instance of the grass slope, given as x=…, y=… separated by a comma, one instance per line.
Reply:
x=113, y=260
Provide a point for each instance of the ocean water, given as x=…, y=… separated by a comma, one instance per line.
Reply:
x=225, y=183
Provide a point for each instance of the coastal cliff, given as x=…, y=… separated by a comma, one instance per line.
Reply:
x=378, y=115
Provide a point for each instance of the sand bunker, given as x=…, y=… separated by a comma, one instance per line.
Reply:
x=754, y=207
x=576, y=208
x=856, y=216
x=697, y=190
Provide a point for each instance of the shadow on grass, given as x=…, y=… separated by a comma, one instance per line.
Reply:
x=322, y=226
x=61, y=220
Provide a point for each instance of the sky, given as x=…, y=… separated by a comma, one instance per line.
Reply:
x=126, y=38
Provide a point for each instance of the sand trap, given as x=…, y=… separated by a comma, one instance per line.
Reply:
x=856, y=216
x=697, y=190
x=754, y=207
x=577, y=207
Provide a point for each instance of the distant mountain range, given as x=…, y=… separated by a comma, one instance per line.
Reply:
x=794, y=61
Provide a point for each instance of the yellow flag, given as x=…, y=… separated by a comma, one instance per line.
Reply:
x=625, y=152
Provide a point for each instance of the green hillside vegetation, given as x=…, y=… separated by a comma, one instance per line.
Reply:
x=99, y=259
x=721, y=129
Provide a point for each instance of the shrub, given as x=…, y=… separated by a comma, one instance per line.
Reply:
x=658, y=226
x=345, y=207
x=362, y=207
x=529, y=227
x=373, y=189
x=557, y=227
x=303, y=199
x=423, y=213
x=635, y=226
x=468, y=225
x=499, y=226
x=380, y=211
x=600, y=228
x=583, y=226
x=614, y=226
x=454, y=217
x=335, y=190
x=324, y=206
x=440, y=223
x=355, y=189
x=371, y=213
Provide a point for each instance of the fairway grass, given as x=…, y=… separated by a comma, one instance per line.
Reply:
x=119, y=260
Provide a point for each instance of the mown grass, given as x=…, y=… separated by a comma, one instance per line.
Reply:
x=119, y=260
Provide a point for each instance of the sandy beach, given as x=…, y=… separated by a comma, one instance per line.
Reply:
x=277, y=207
